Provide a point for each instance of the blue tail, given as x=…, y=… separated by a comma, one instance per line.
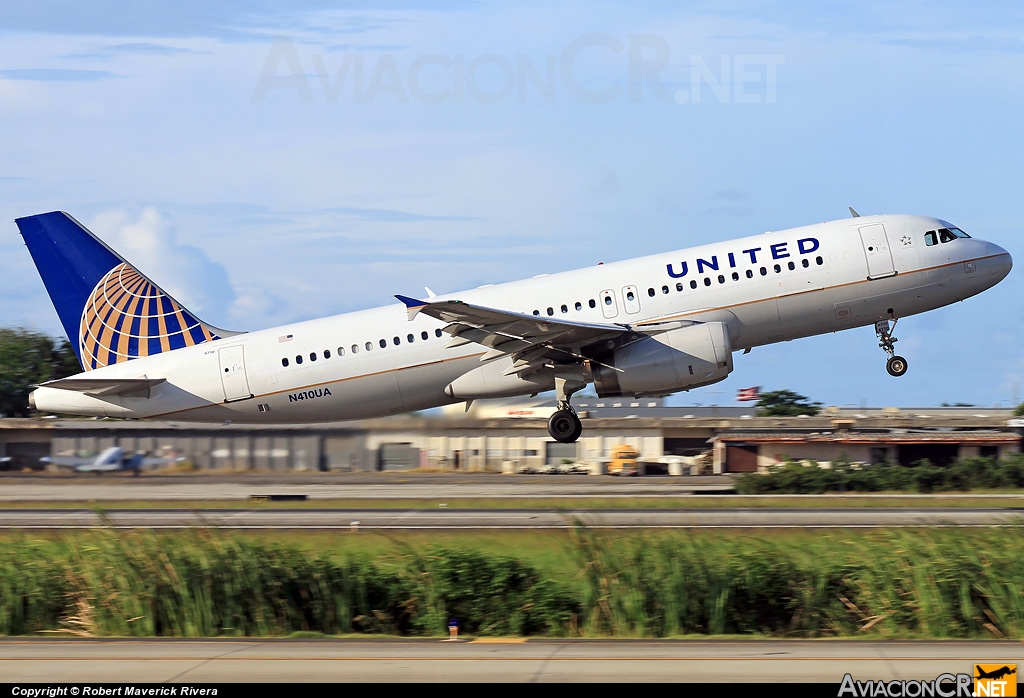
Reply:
x=110, y=312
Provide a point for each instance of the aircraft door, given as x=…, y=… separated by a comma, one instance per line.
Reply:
x=608, y=305
x=876, y=249
x=630, y=300
x=232, y=373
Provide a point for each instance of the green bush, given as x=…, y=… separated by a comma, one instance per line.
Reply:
x=965, y=474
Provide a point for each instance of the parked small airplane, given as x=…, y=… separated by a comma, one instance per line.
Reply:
x=113, y=459
x=650, y=326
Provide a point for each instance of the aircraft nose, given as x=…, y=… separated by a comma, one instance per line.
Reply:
x=1001, y=261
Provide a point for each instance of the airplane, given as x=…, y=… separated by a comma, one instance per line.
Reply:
x=113, y=459
x=650, y=326
x=994, y=674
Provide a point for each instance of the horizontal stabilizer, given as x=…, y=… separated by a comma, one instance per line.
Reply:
x=102, y=387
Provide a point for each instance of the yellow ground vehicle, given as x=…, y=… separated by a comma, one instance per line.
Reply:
x=623, y=460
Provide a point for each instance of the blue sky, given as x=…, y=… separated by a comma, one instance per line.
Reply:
x=271, y=162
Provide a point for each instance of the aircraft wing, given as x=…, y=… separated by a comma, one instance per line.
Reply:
x=100, y=387
x=531, y=340
x=66, y=461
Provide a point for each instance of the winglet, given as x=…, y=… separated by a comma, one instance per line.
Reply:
x=853, y=213
x=412, y=306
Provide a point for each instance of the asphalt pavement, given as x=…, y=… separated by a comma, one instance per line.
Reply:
x=184, y=662
x=467, y=519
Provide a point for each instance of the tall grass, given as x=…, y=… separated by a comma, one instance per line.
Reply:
x=921, y=583
x=925, y=583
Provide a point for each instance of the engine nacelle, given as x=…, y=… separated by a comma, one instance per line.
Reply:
x=666, y=363
x=487, y=381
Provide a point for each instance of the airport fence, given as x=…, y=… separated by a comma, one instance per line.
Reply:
x=923, y=583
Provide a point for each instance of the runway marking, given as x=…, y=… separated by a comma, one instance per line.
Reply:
x=498, y=641
x=468, y=527
x=538, y=658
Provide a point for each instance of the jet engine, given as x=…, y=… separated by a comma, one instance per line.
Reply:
x=679, y=359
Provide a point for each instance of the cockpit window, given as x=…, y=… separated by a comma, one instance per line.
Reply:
x=949, y=234
x=930, y=238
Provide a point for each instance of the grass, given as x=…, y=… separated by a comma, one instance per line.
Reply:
x=923, y=583
x=809, y=501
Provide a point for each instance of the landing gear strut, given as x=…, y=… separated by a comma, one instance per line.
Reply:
x=564, y=425
x=896, y=365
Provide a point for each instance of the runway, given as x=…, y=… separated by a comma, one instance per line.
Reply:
x=119, y=487
x=184, y=662
x=469, y=519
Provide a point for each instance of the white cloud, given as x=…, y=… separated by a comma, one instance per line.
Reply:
x=145, y=240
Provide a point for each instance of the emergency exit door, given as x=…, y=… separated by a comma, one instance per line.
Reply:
x=876, y=249
x=232, y=374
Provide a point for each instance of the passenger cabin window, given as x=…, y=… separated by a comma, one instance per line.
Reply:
x=805, y=263
x=298, y=359
x=437, y=332
x=565, y=308
x=693, y=283
x=551, y=311
x=750, y=273
x=664, y=289
x=930, y=238
x=312, y=356
x=383, y=343
x=579, y=306
x=424, y=335
x=650, y=292
x=607, y=300
x=341, y=351
x=679, y=286
x=707, y=280
x=410, y=338
x=327, y=353
x=284, y=362
x=369, y=346
x=355, y=348
x=592, y=303
x=396, y=341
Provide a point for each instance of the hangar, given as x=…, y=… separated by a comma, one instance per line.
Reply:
x=494, y=434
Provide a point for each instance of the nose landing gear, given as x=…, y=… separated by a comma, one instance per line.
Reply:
x=896, y=365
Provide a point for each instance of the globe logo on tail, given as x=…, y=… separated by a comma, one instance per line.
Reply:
x=127, y=316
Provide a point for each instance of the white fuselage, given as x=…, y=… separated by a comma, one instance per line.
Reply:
x=838, y=280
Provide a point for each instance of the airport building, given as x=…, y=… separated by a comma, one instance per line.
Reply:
x=504, y=435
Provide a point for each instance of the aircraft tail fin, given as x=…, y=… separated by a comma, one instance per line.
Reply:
x=111, y=313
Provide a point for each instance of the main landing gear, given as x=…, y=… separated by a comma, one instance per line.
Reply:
x=896, y=365
x=564, y=425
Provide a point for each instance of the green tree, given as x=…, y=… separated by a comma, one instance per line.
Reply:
x=785, y=403
x=28, y=358
x=1019, y=412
